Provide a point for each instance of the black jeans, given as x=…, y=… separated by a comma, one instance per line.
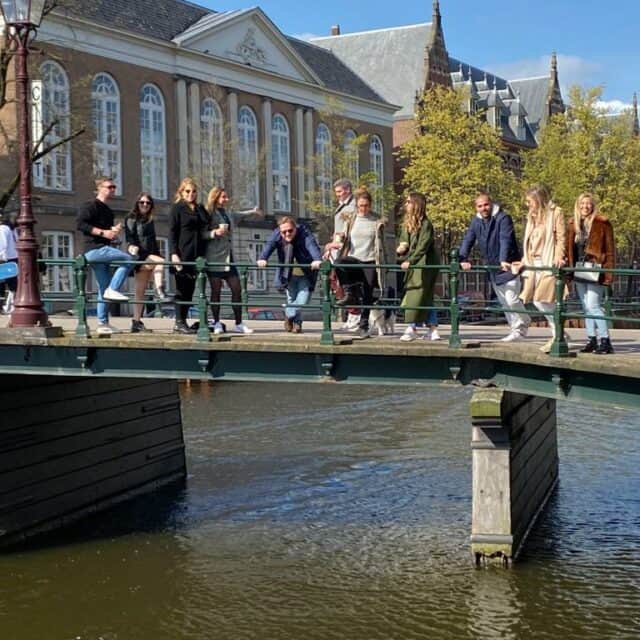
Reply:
x=185, y=286
x=367, y=277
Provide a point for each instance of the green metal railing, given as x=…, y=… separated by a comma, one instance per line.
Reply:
x=451, y=272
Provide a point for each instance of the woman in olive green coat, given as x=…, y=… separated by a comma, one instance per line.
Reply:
x=416, y=248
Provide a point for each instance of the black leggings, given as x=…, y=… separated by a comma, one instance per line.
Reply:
x=185, y=286
x=367, y=277
x=233, y=282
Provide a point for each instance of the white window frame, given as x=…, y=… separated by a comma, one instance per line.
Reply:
x=57, y=245
x=163, y=249
x=351, y=153
x=54, y=169
x=211, y=144
x=256, y=278
x=107, y=144
x=249, y=187
x=153, y=142
x=323, y=164
x=376, y=162
x=281, y=163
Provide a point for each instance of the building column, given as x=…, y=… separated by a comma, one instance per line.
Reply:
x=298, y=129
x=232, y=102
x=309, y=143
x=195, y=163
x=181, y=114
x=268, y=162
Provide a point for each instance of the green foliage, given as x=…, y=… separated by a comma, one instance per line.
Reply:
x=587, y=150
x=453, y=156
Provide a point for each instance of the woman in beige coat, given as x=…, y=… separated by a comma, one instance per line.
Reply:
x=544, y=246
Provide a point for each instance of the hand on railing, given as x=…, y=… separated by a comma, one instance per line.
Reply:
x=262, y=263
x=175, y=261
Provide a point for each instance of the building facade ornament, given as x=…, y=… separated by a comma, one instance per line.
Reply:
x=249, y=50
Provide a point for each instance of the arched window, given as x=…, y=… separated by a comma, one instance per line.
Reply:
x=53, y=171
x=280, y=161
x=211, y=144
x=248, y=157
x=376, y=158
x=351, y=153
x=323, y=171
x=153, y=145
x=105, y=112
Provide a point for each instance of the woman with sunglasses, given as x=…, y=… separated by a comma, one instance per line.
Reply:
x=140, y=233
x=186, y=222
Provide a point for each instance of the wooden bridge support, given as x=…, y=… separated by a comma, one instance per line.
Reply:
x=73, y=446
x=515, y=469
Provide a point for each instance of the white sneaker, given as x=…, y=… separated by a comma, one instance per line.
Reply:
x=242, y=328
x=106, y=329
x=114, y=296
x=513, y=336
x=409, y=334
x=434, y=335
x=353, y=320
x=218, y=328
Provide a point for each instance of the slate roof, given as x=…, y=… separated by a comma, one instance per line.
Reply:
x=533, y=94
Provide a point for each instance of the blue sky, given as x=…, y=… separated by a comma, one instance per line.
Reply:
x=596, y=41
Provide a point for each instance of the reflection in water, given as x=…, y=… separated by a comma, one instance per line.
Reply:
x=316, y=511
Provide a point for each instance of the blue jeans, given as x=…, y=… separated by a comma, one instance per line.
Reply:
x=591, y=294
x=297, y=294
x=99, y=260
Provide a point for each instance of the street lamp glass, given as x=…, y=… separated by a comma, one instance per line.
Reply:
x=17, y=12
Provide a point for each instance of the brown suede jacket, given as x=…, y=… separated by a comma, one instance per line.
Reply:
x=600, y=246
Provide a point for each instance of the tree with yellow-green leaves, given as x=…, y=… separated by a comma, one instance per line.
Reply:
x=587, y=150
x=454, y=155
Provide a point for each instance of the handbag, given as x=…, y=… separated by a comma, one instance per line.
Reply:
x=588, y=276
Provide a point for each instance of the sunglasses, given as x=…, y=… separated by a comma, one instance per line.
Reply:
x=286, y=231
x=109, y=186
x=189, y=191
x=144, y=202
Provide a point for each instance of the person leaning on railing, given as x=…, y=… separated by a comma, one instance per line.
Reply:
x=590, y=243
x=544, y=246
x=186, y=221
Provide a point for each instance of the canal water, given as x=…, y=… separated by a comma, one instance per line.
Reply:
x=340, y=512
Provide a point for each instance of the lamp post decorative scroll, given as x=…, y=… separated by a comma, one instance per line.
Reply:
x=21, y=19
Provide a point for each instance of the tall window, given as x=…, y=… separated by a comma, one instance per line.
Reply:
x=280, y=162
x=211, y=144
x=323, y=170
x=248, y=157
x=163, y=247
x=57, y=245
x=376, y=157
x=350, y=149
x=153, y=146
x=105, y=111
x=53, y=171
x=257, y=278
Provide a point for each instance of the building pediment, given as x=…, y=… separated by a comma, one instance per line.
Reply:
x=246, y=37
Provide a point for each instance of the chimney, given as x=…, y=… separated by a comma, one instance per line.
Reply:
x=335, y=30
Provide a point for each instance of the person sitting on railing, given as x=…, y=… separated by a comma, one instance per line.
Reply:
x=186, y=222
x=218, y=231
x=416, y=248
x=363, y=245
x=299, y=257
x=590, y=243
x=140, y=233
x=544, y=246
x=491, y=229
x=96, y=221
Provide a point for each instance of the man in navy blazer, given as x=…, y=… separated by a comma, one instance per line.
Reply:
x=492, y=230
x=299, y=257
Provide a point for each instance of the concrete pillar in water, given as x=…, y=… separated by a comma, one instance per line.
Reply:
x=515, y=468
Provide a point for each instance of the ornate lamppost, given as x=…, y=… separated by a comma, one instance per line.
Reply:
x=22, y=18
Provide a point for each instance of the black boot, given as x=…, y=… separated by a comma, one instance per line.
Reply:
x=591, y=345
x=604, y=346
x=352, y=296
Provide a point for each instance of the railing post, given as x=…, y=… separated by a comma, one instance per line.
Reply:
x=327, y=333
x=80, y=281
x=454, y=307
x=559, y=348
x=201, y=282
x=244, y=294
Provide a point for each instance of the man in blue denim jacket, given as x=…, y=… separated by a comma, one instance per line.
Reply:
x=300, y=257
x=492, y=230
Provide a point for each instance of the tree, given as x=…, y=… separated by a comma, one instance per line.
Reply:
x=454, y=155
x=40, y=147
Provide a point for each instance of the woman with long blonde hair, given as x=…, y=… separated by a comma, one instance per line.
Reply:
x=590, y=240
x=416, y=247
x=544, y=246
x=186, y=220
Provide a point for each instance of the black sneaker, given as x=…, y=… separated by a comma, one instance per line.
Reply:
x=137, y=326
x=182, y=327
